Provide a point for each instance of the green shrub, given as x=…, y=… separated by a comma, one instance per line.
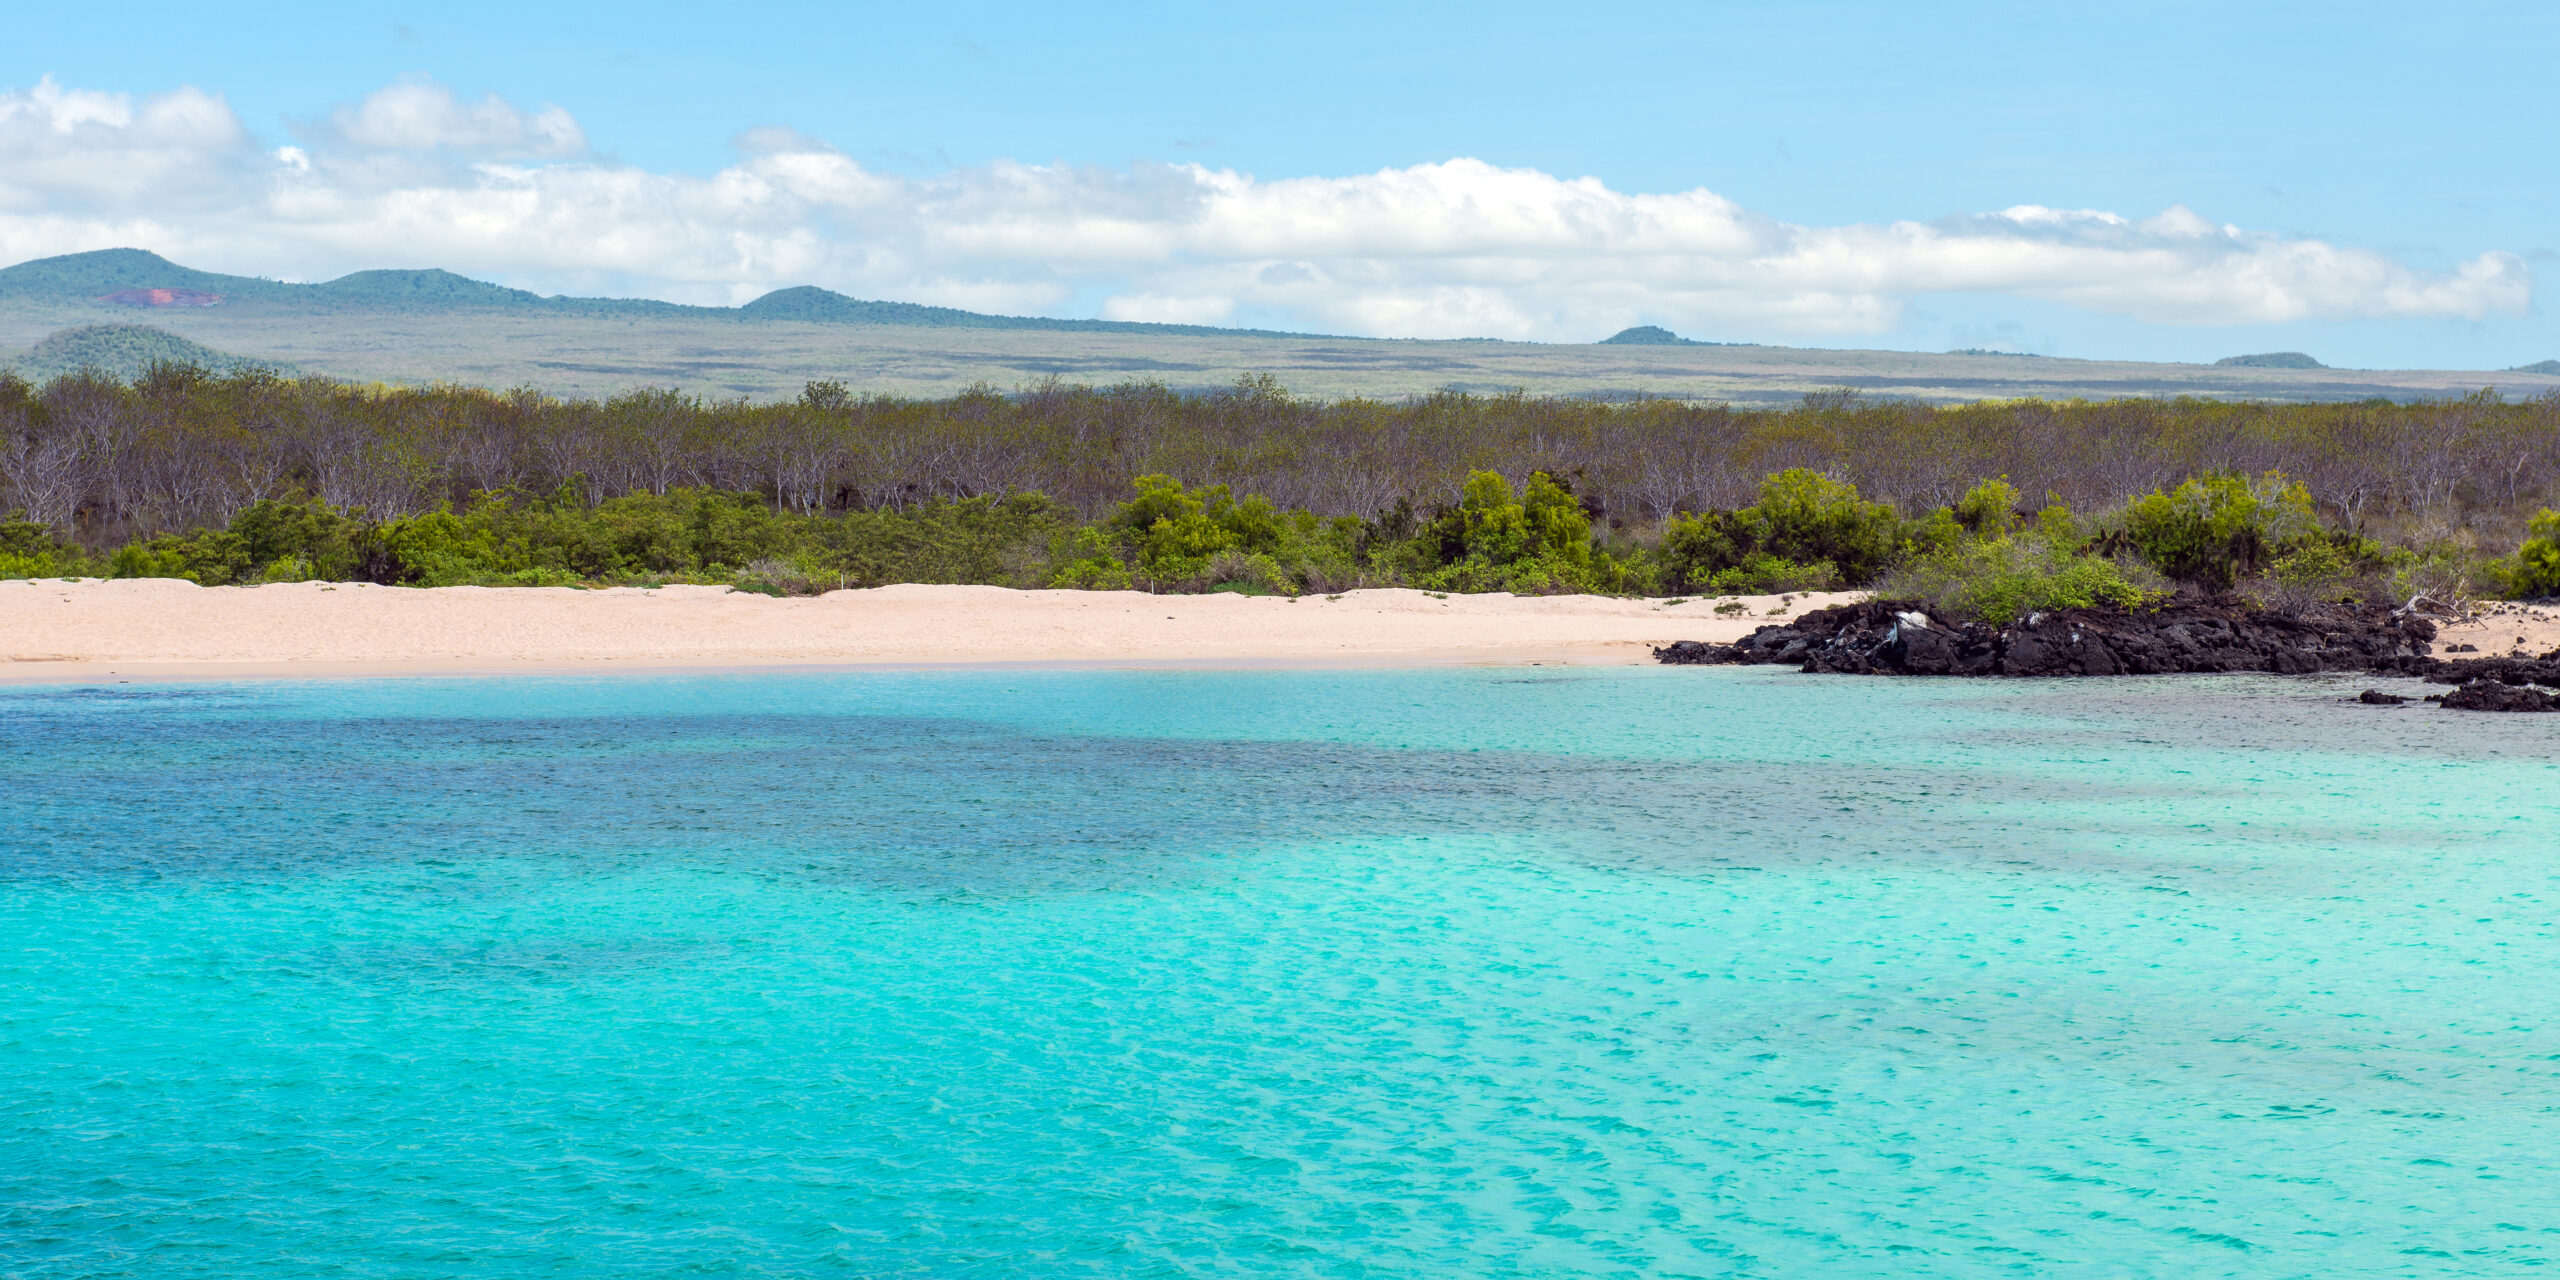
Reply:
x=1178, y=539
x=1253, y=575
x=2449, y=573
x=30, y=549
x=801, y=573
x=1987, y=510
x=302, y=540
x=2535, y=571
x=1089, y=564
x=2055, y=523
x=207, y=557
x=1537, y=543
x=1758, y=574
x=2213, y=530
x=1805, y=516
x=716, y=536
x=310, y=533
x=1170, y=532
x=1999, y=579
x=985, y=541
x=13, y=565
x=1807, y=531
x=2311, y=563
x=442, y=549
x=2307, y=572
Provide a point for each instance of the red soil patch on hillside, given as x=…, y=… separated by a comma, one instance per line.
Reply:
x=162, y=298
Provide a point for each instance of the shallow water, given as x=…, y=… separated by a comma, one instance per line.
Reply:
x=1428, y=972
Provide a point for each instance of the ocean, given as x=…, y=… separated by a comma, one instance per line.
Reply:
x=1425, y=972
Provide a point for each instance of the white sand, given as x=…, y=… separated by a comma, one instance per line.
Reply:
x=2503, y=630
x=55, y=630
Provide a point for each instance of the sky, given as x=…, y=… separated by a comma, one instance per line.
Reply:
x=2365, y=182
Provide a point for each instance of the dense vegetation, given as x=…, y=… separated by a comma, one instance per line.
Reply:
x=247, y=477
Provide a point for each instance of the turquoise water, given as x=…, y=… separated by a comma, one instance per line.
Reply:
x=1662, y=972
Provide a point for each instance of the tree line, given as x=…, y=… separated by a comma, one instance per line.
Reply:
x=104, y=464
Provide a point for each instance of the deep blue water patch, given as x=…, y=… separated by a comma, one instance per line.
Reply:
x=1273, y=973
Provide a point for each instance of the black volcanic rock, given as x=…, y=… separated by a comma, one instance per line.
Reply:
x=2491, y=695
x=1884, y=638
x=2544, y=671
x=1879, y=637
x=1689, y=653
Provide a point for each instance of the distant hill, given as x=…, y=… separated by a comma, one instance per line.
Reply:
x=1644, y=335
x=1654, y=335
x=431, y=288
x=125, y=350
x=113, y=271
x=813, y=305
x=146, y=281
x=2271, y=360
x=121, y=309
x=2539, y=366
x=1994, y=351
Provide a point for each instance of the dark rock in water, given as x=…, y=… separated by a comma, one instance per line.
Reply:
x=2377, y=698
x=1883, y=638
x=2544, y=671
x=1681, y=653
x=2490, y=695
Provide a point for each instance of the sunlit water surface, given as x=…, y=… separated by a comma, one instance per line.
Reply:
x=1399, y=973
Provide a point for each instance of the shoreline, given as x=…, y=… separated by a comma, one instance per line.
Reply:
x=84, y=630
x=55, y=631
x=46, y=672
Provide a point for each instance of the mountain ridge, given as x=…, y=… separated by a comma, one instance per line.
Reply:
x=423, y=327
x=126, y=276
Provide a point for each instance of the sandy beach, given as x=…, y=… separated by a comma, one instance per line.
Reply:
x=162, y=628
x=52, y=629
x=2502, y=630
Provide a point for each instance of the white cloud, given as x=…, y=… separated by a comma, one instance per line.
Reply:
x=1158, y=309
x=417, y=114
x=416, y=176
x=66, y=151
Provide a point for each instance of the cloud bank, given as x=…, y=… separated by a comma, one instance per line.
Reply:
x=416, y=176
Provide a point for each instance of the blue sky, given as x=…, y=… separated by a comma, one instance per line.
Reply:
x=2363, y=153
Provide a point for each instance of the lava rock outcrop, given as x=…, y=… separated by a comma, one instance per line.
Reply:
x=2492, y=695
x=1884, y=638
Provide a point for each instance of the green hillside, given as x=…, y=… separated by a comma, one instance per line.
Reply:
x=90, y=278
x=126, y=351
x=1654, y=335
x=420, y=327
x=809, y=304
x=430, y=288
x=84, y=276
x=2271, y=360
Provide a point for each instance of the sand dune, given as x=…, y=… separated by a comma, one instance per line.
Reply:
x=53, y=629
